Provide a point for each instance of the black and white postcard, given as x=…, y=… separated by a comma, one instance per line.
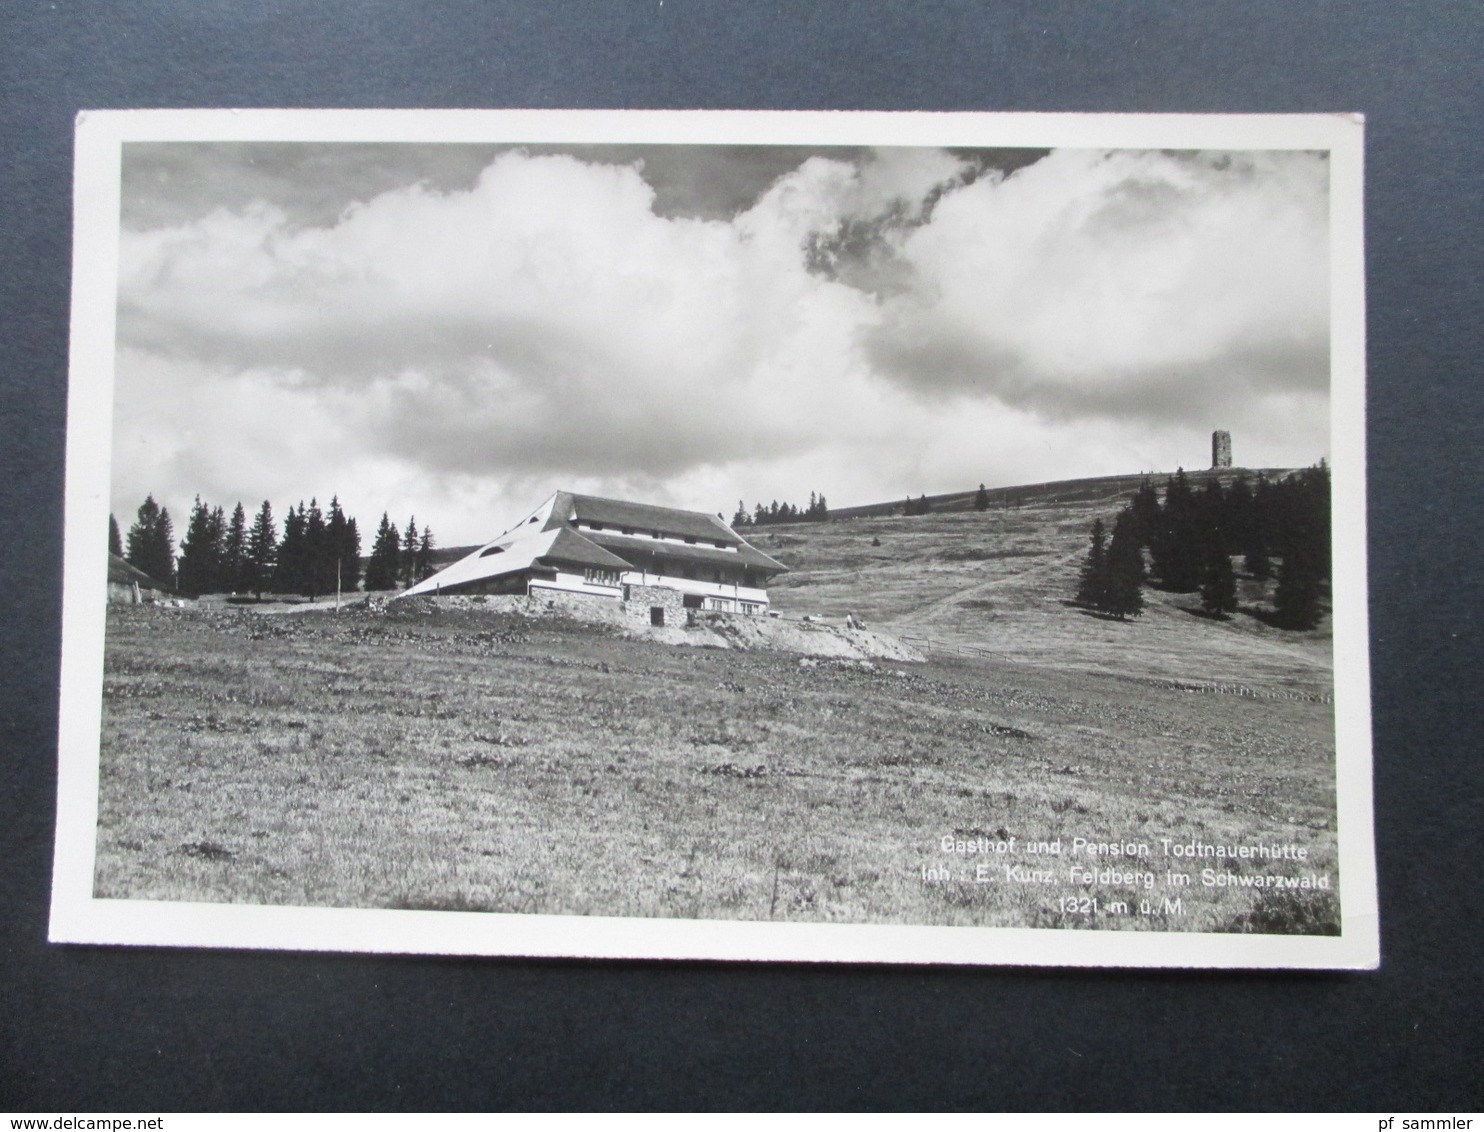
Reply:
x=903, y=538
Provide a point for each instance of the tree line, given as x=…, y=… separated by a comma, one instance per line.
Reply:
x=318, y=552
x=817, y=511
x=1192, y=536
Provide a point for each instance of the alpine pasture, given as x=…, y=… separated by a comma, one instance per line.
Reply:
x=446, y=756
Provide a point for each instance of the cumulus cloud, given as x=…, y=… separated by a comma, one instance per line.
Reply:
x=871, y=323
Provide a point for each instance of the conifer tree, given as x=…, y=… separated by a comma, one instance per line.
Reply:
x=151, y=545
x=1296, y=601
x=318, y=574
x=1125, y=595
x=1176, y=546
x=1145, y=508
x=115, y=540
x=197, y=565
x=234, y=552
x=981, y=499
x=344, y=547
x=423, y=563
x=261, y=556
x=1210, y=519
x=288, y=577
x=1257, y=542
x=740, y=519
x=385, y=564
x=350, y=577
x=1092, y=585
x=1218, y=584
x=408, y=561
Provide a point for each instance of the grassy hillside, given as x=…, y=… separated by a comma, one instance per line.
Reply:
x=1001, y=581
x=447, y=757
x=454, y=759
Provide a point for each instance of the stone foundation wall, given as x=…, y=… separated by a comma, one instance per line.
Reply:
x=642, y=599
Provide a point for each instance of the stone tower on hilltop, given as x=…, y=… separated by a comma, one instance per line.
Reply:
x=1221, y=449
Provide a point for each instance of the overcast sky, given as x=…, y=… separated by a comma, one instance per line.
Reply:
x=456, y=331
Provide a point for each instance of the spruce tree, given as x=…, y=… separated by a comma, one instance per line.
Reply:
x=151, y=545
x=115, y=540
x=1125, y=595
x=319, y=562
x=385, y=564
x=1177, y=544
x=1219, y=584
x=234, y=552
x=1296, y=601
x=344, y=544
x=740, y=519
x=195, y=568
x=1092, y=584
x=981, y=499
x=288, y=576
x=216, y=533
x=261, y=556
x=407, y=575
x=1210, y=518
x=423, y=563
x=350, y=574
x=1145, y=508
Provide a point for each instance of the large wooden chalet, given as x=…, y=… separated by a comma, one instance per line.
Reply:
x=606, y=548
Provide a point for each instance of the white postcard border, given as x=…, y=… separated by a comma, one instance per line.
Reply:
x=78, y=917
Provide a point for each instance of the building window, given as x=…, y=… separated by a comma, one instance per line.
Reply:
x=752, y=608
x=594, y=576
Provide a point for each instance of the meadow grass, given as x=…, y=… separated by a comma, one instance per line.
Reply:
x=458, y=759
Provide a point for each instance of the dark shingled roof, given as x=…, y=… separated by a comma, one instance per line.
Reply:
x=632, y=546
x=573, y=549
x=642, y=517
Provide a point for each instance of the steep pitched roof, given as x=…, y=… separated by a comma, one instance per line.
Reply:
x=744, y=553
x=571, y=548
x=521, y=550
x=643, y=517
x=533, y=542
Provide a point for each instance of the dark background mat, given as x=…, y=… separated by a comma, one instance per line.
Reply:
x=98, y=1028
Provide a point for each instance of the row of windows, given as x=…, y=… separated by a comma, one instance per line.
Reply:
x=576, y=525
